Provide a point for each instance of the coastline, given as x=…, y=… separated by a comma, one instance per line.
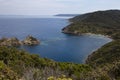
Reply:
x=76, y=33
x=98, y=35
x=94, y=35
x=110, y=39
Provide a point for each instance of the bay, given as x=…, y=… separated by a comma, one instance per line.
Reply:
x=54, y=44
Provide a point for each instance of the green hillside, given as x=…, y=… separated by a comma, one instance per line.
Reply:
x=106, y=60
x=100, y=22
x=17, y=64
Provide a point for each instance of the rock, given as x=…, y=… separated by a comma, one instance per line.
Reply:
x=30, y=40
x=10, y=42
x=67, y=31
x=14, y=42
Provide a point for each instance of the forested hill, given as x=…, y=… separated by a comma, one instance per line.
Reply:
x=100, y=22
x=99, y=16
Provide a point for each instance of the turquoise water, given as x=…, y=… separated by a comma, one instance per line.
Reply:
x=54, y=44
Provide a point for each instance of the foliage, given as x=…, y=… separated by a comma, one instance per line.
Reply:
x=109, y=53
x=30, y=66
x=6, y=73
x=100, y=22
x=63, y=77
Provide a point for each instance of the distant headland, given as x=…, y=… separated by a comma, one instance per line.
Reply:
x=67, y=15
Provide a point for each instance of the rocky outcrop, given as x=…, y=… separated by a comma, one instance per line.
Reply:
x=29, y=40
x=67, y=31
x=10, y=42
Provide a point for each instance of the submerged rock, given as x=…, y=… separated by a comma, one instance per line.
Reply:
x=30, y=40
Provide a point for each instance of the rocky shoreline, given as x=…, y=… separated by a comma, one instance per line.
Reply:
x=66, y=31
x=77, y=33
x=29, y=40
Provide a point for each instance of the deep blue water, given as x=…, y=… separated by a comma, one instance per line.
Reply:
x=54, y=44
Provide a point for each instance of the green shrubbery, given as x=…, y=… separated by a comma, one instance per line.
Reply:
x=100, y=22
x=30, y=66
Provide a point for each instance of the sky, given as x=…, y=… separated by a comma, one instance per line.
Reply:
x=52, y=7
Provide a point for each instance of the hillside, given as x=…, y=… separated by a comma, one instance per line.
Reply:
x=106, y=60
x=17, y=64
x=21, y=65
x=100, y=22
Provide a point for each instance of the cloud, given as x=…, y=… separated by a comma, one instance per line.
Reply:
x=29, y=6
x=37, y=7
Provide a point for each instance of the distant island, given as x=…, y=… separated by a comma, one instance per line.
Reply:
x=67, y=15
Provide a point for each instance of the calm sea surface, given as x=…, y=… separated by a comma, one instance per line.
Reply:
x=54, y=44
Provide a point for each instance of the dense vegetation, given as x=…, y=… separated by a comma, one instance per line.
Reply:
x=100, y=22
x=20, y=65
x=107, y=59
x=17, y=64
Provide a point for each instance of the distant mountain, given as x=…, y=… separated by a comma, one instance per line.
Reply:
x=68, y=15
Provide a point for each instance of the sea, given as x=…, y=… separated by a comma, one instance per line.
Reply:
x=54, y=44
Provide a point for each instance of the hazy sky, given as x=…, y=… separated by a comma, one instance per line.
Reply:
x=51, y=7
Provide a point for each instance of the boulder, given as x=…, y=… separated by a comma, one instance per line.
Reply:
x=30, y=40
x=10, y=42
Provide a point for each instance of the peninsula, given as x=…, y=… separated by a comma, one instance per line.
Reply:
x=100, y=22
x=67, y=15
